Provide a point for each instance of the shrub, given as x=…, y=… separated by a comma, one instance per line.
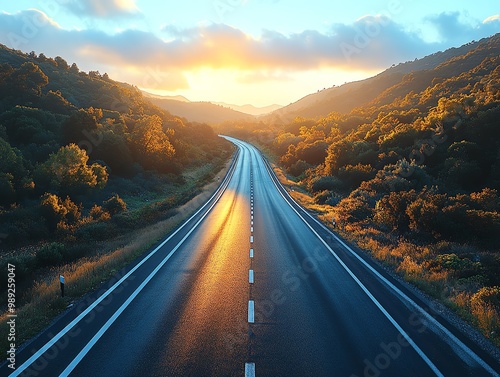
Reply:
x=95, y=231
x=50, y=255
x=324, y=183
x=115, y=205
x=322, y=197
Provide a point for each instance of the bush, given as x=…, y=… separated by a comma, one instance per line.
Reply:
x=325, y=183
x=322, y=197
x=50, y=255
x=95, y=231
x=490, y=295
x=115, y=205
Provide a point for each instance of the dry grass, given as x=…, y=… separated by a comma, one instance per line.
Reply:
x=89, y=273
x=411, y=262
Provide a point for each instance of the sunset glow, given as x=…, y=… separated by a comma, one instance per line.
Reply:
x=257, y=52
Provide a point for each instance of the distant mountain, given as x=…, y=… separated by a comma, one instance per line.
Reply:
x=157, y=96
x=251, y=109
x=345, y=98
x=202, y=112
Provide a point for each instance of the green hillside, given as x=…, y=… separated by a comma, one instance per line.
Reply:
x=413, y=176
x=75, y=144
x=345, y=98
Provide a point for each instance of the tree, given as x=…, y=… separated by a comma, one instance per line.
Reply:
x=68, y=173
x=30, y=79
x=74, y=68
x=79, y=126
x=115, y=205
x=59, y=212
x=12, y=173
x=352, y=176
x=55, y=102
x=61, y=63
x=151, y=144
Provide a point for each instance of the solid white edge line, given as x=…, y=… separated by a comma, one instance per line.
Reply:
x=405, y=297
x=249, y=369
x=367, y=292
x=251, y=307
x=250, y=277
x=69, y=326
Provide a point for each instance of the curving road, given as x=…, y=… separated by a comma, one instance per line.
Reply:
x=252, y=285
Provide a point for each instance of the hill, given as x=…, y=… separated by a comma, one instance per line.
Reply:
x=250, y=109
x=413, y=174
x=67, y=138
x=202, y=112
x=344, y=98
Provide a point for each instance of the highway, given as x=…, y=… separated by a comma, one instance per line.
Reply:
x=252, y=285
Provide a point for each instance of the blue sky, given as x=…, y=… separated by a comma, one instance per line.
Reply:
x=242, y=51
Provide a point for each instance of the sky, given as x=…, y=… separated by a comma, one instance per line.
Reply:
x=258, y=52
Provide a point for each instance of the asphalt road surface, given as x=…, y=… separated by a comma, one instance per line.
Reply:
x=252, y=285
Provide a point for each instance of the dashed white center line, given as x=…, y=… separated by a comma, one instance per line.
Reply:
x=249, y=369
x=251, y=306
x=250, y=276
x=251, y=239
x=251, y=253
x=251, y=217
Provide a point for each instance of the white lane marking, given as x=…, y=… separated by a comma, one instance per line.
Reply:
x=251, y=222
x=251, y=212
x=251, y=229
x=110, y=321
x=251, y=239
x=251, y=217
x=70, y=325
x=250, y=276
x=251, y=253
x=249, y=369
x=439, y=327
x=251, y=307
x=417, y=349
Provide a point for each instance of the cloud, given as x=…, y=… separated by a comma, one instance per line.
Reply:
x=102, y=8
x=452, y=29
x=370, y=43
x=494, y=18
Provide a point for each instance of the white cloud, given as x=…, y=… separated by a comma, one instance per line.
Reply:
x=494, y=18
x=370, y=43
x=102, y=8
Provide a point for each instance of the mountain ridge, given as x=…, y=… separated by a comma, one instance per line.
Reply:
x=343, y=99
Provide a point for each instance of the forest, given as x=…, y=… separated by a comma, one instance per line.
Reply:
x=85, y=158
x=413, y=177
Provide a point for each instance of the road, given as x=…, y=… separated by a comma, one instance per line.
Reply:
x=252, y=285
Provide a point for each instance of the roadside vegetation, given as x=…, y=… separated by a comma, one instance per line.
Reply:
x=413, y=178
x=91, y=175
